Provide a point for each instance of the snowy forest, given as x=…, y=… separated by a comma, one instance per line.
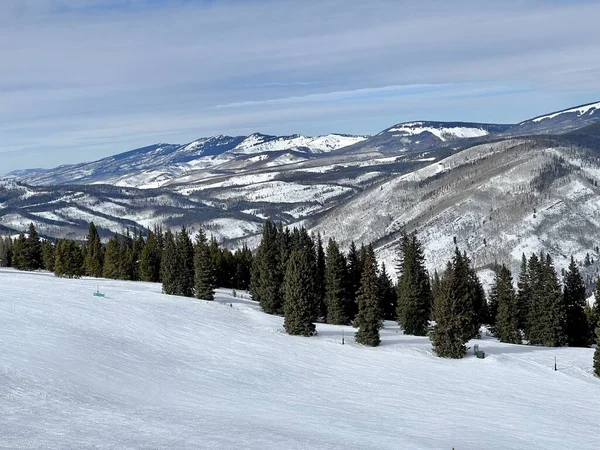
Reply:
x=295, y=275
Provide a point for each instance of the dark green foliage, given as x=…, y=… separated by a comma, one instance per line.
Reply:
x=414, y=290
x=320, y=272
x=547, y=315
x=204, y=281
x=300, y=297
x=18, y=253
x=353, y=281
x=48, y=256
x=93, y=252
x=387, y=295
x=576, y=324
x=507, y=318
x=6, y=251
x=369, y=314
x=456, y=317
x=335, y=289
x=68, y=260
x=597, y=354
x=32, y=257
x=267, y=270
x=493, y=306
x=150, y=258
x=523, y=293
x=168, y=266
x=184, y=264
x=243, y=267
x=112, y=257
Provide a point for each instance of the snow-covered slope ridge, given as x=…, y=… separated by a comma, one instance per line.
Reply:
x=139, y=369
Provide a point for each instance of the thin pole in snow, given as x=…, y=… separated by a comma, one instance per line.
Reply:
x=342, y=337
x=555, y=364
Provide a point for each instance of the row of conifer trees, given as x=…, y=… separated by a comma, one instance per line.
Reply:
x=183, y=267
x=293, y=275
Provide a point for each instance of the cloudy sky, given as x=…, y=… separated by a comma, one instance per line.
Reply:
x=83, y=79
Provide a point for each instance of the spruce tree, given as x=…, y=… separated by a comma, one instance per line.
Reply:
x=523, y=293
x=369, y=313
x=335, y=289
x=547, y=315
x=354, y=274
x=32, y=252
x=184, y=263
x=507, y=319
x=493, y=304
x=68, y=260
x=93, y=253
x=168, y=266
x=243, y=268
x=48, y=256
x=414, y=290
x=150, y=259
x=112, y=257
x=300, y=297
x=387, y=294
x=320, y=267
x=455, y=314
x=204, y=269
x=18, y=253
x=267, y=269
x=576, y=324
x=6, y=246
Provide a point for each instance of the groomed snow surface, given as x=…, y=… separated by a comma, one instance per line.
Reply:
x=139, y=369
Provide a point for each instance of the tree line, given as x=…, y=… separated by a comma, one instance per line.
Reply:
x=292, y=274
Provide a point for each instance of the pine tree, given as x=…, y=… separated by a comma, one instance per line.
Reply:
x=354, y=274
x=204, y=269
x=267, y=269
x=112, y=258
x=387, y=294
x=547, y=316
x=576, y=324
x=369, y=313
x=597, y=353
x=456, y=318
x=150, y=259
x=335, y=289
x=414, y=290
x=93, y=253
x=523, y=293
x=6, y=246
x=243, y=268
x=493, y=304
x=507, y=319
x=300, y=297
x=48, y=256
x=184, y=263
x=320, y=267
x=18, y=253
x=68, y=260
x=168, y=266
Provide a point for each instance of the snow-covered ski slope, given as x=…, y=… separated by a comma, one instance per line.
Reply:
x=139, y=369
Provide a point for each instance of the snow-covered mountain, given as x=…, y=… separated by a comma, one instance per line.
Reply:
x=499, y=189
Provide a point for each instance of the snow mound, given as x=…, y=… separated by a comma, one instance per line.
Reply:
x=442, y=133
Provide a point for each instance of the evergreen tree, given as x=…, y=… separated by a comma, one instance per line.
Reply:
x=335, y=290
x=204, y=269
x=150, y=259
x=184, y=263
x=18, y=253
x=6, y=251
x=414, y=290
x=32, y=251
x=523, y=293
x=387, y=294
x=576, y=324
x=266, y=279
x=112, y=258
x=243, y=268
x=93, y=253
x=455, y=314
x=369, y=313
x=354, y=274
x=320, y=267
x=300, y=297
x=507, y=319
x=547, y=314
x=168, y=266
x=68, y=260
x=48, y=256
x=493, y=305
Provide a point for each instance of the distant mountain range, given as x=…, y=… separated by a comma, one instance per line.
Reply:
x=499, y=189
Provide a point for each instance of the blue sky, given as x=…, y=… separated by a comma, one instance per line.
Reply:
x=83, y=79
